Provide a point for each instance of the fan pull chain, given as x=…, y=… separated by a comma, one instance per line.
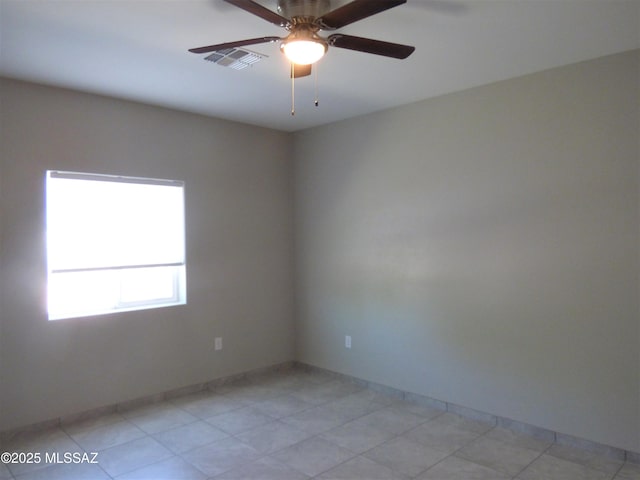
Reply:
x=316, y=103
x=293, y=90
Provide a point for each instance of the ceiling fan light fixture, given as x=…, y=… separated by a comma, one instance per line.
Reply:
x=304, y=46
x=304, y=52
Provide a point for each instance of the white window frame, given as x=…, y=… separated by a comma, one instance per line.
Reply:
x=115, y=276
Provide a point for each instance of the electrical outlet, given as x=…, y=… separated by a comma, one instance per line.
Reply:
x=347, y=341
x=218, y=343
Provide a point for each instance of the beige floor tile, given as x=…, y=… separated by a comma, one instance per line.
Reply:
x=221, y=456
x=629, y=471
x=81, y=471
x=315, y=420
x=326, y=392
x=454, y=468
x=272, y=437
x=499, y=456
x=108, y=435
x=313, y=456
x=174, y=468
x=518, y=439
x=357, y=436
x=444, y=436
x=550, y=467
x=586, y=458
x=392, y=420
x=187, y=437
x=263, y=469
x=405, y=456
x=132, y=455
x=361, y=468
x=283, y=406
x=240, y=420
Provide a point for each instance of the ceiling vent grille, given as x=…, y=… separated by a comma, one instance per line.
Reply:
x=236, y=58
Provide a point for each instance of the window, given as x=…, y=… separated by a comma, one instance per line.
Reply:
x=113, y=244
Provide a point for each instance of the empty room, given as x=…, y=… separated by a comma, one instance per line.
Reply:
x=320, y=239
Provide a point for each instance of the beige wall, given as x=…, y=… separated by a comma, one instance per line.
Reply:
x=482, y=248
x=238, y=231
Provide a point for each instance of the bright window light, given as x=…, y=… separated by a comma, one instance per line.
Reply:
x=113, y=244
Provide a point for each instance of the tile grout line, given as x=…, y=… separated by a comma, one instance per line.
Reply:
x=617, y=471
x=534, y=460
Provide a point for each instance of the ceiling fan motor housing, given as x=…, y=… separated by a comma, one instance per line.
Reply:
x=303, y=8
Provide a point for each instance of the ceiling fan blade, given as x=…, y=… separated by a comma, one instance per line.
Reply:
x=240, y=43
x=260, y=11
x=367, y=45
x=301, y=70
x=354, y=11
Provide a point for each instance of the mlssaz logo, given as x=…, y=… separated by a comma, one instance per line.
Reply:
x=71, y=457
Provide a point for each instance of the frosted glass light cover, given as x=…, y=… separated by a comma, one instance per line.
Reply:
x=304, y=52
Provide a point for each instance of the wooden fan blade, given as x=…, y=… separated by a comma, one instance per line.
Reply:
x=354, y=11
x=260, y=11
x=301, y=70
x=240, y=43
x=367, y=45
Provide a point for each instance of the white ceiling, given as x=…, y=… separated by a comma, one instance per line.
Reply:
x=137, y=50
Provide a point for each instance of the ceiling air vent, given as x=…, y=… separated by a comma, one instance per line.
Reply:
x=236, y=58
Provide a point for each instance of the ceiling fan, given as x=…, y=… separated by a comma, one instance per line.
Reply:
x=303, y=19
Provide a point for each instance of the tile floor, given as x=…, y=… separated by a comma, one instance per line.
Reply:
x=299, y=425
